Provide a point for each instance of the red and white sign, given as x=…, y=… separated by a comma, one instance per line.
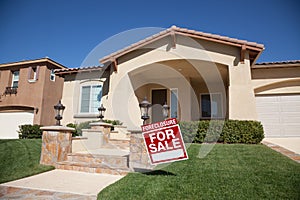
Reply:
x=164, y=142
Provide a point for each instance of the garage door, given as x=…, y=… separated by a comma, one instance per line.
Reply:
x=9, y=123
x=280, y=115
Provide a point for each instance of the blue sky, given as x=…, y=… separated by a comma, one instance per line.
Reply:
x=66, y=31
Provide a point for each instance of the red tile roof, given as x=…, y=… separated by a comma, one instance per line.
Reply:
x=40, y=60
x=279, y=62
x=183, y=31
x=78, y=69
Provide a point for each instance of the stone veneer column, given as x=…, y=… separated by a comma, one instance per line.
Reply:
x=103, y=127
x=56, y=144
x=138, y=157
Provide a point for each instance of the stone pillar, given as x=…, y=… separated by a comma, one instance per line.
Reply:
x=138, y=157
x=56, y=144
x=103, y=127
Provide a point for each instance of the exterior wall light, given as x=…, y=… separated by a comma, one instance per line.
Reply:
x=101, y=112
x=165, y=110
x=144, y=106
x=59, y=109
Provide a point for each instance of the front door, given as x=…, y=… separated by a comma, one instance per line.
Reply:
x=159, y=98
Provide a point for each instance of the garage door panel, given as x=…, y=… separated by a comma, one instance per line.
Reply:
x=10, y=122
x=280, y=115
x=290, y=118
x=290, y=107
x=269, y=119
x=292, y=130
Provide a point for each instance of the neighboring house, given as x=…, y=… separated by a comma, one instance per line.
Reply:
x=202, y=76
x=29, y=90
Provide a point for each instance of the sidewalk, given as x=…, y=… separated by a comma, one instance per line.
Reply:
x=289, y=147
x=58, y=184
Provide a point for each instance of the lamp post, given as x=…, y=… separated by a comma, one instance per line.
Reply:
x=59, y=109
x=165, y=110
x=144, y=106
x=101, y=112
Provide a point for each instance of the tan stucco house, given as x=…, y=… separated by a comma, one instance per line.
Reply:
x=28, y=91
x=199, y=75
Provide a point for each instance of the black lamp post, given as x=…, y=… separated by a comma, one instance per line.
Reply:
x=101, y=112
x=59, y=109
x=144, y=106
x=165, y=110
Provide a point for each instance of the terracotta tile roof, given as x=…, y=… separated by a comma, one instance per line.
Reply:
x=279, y=62
x=78, y=69
x=24, y=62
x=183, y=31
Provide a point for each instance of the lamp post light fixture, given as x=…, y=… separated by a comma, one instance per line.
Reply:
x=59, y=109
x=165, y=110
x=101, y=112
x=144, y=106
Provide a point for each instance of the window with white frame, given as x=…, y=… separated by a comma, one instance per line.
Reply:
x=90, y=98
x=15, y=79
x=211, y=105
x=174, y=103
x=52, y=75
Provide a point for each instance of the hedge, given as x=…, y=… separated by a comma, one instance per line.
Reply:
x=29, y=131
x=228, y=131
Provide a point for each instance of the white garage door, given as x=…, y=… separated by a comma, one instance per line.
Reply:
x=280, y=115
x=9, y=123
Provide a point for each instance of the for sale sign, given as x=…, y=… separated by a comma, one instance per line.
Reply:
x=164, y=142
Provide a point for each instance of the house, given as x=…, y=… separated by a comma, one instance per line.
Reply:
x=29, y=90
x=199, y=75
x=82, y=93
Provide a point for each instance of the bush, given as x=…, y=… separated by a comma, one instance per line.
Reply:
x=86, y=125
x=29, y=131
x=75, y=133
x=228, y=131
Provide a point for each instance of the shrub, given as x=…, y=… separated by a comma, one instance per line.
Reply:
x=113, y=122
x=189, y=131
x=86, y=125
x=228, y=131
x=29, y=131
x=75, y=133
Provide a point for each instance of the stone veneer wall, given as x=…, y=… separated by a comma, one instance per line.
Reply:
x=56, y=144
x=138, y=158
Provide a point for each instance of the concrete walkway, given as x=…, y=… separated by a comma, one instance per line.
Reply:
x=58, y=184
x=289, y=147
x=292, y=143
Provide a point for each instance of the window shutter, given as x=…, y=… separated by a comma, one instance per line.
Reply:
x=37, y=72
x=29, y=73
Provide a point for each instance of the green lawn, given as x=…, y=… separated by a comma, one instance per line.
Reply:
x=20, y=158
x=227, y=172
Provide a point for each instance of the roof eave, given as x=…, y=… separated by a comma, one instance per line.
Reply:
x=32, y=62
x=190, y=33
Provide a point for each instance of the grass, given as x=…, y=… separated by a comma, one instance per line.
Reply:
x=227, y=172
x=20, y=158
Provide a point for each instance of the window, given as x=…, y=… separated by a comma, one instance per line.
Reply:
x=90, y=98
x=52, y=75
x=174, y=103
x=15, y=79
x=211, y=105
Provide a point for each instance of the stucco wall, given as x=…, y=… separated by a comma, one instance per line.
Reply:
x=277, y=80
x=39, y=95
